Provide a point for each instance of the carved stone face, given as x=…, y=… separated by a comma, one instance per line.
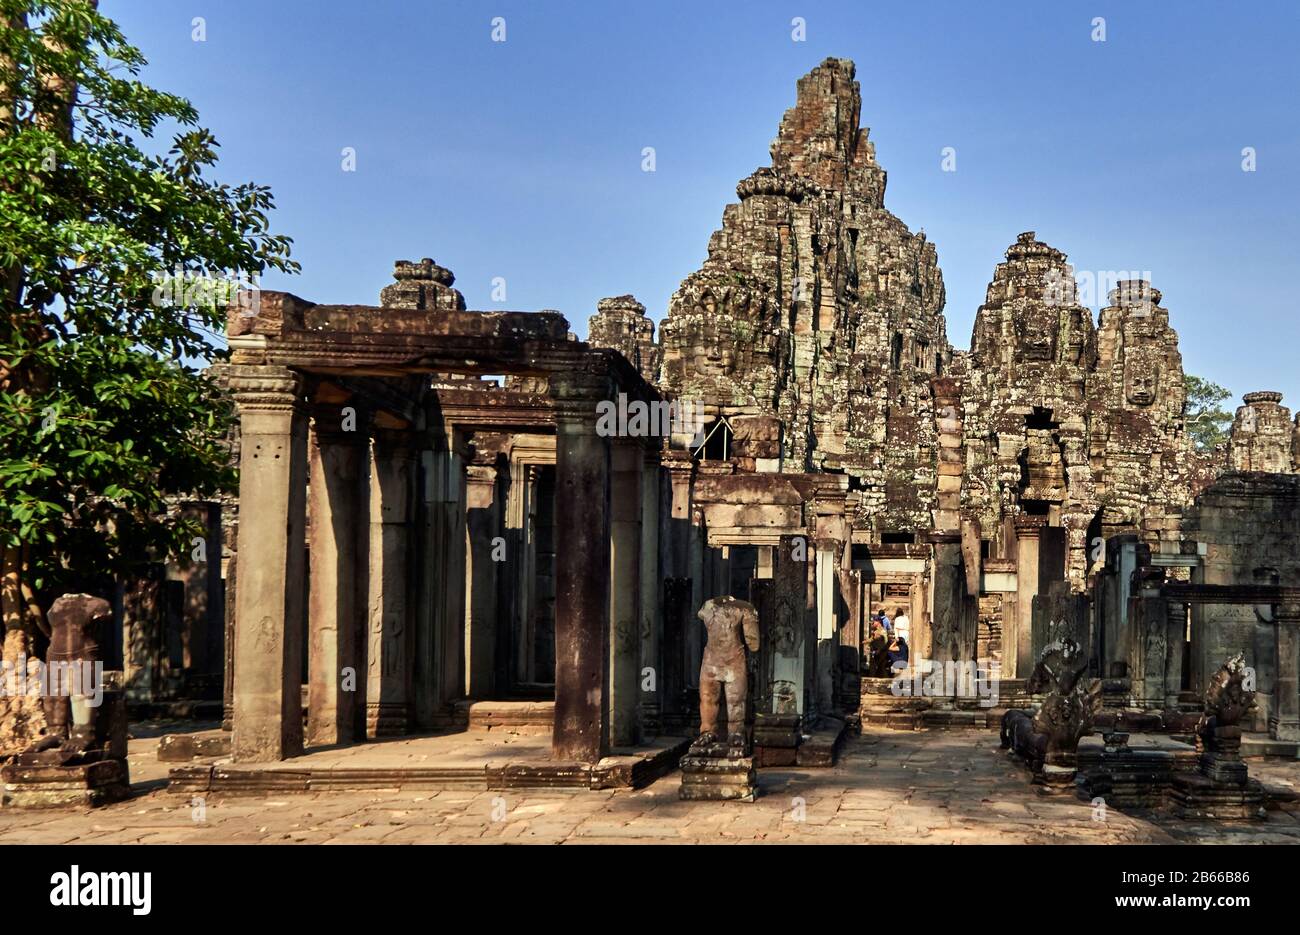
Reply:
x=1141, y=376
x=1076, y=346
x=1036, y=332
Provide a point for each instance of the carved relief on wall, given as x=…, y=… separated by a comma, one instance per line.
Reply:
x=1036, y=334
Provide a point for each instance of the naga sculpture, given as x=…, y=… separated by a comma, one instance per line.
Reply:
x=1051, y=735
x=1221, y=787
x=1227, y=699
x=732, y=627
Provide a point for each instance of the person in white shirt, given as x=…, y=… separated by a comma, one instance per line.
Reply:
x=903, y=627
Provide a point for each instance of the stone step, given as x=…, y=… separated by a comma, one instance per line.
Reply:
x=819, y=748
x=628, y=771
x=515, y=716
x=176, y=748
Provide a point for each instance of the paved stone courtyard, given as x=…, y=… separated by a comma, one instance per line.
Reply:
x=889, y=787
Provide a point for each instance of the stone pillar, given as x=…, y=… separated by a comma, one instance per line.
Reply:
x=678, y=612
x=449, y=495
x=425, y=673
x=231, y=563
x=204, y=625
x=1175, y=640
x=439, y=563
x=812, y=700
x=650, y=595
x=270, y=610
x=388, y=663
x=789, y=595
x=627, y=464
x=1021, y=650
x=696, y=572
x=1284, y=716
x=517, y=574
x=826, y=584
x=849, y=669
x=482, y=527
x=948, y=584
x=142, y=631
x=581, y=730
x=335, y=612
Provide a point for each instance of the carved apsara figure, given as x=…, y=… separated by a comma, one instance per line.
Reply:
x=732, y=626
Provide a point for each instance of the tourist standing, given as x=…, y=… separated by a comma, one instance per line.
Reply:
x=902, y=626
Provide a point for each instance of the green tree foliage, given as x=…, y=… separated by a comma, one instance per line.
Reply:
x=1207, y=421
x=104, y=411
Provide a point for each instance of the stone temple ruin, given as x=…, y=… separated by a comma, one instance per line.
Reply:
x=436, y=531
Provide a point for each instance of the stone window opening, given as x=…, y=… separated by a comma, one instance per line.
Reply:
x=896, y=351
x=1041, y=418
x=1035, y=507
x=717, y=442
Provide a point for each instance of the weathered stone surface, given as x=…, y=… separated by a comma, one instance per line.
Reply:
x=1262, y=437
x=620, y=323
x=424, y=286
x=818, y=306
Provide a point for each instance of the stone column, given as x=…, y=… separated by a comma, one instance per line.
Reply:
x=849, y=669
x=517, y=573
x=790, y=598
x=1149, y=613
x=650, y=595
x=581, y=730
x=627, y=463
x=1021, y=649
x=697, y=570
x=438, y=643
x=678, y=614
x=431, y=689
x=388, y=668
x=1284, y=716
x=482, y=526
x=231, y=569
x=203, y=630
x=142, y=631
x=270, y=610
x=948, y=629
x=1175, y=640
x=335, y=612
x=827, y=652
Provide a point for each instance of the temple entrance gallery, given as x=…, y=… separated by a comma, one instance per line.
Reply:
x=434, y=523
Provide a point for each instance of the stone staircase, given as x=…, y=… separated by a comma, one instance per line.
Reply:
x=882, y=708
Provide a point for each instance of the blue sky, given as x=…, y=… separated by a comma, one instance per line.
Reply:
x=522, y=159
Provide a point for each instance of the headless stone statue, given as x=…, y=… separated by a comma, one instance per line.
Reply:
x=732, y=626
x=75, y=621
